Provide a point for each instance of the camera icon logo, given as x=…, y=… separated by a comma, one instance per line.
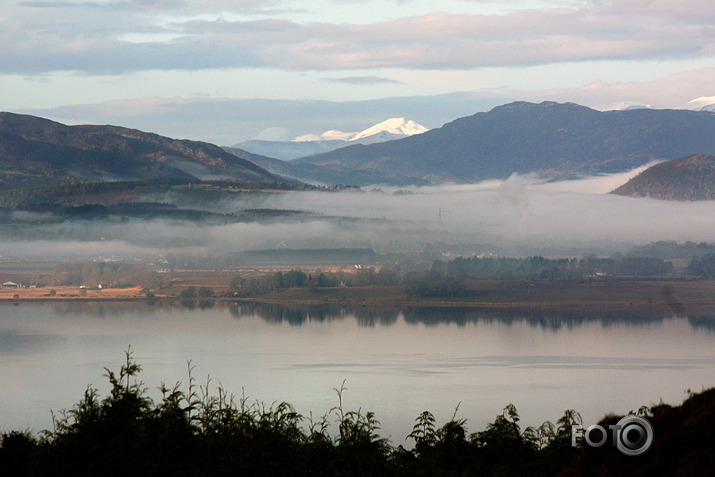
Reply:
x=632, y=435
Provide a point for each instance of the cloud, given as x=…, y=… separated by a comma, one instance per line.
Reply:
x=670, y=91
x=226, y=121
x=363, y=80
x=151, y=5
x=182, y=36
x=520, y=212
x=596, y=184
x=519, y=216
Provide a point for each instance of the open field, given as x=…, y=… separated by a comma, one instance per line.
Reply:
x=70, y=293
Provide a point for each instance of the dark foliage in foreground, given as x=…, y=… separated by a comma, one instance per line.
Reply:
x=197, y=433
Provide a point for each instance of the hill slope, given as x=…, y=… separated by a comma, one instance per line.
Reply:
x=37, y=152
x=546, y=138
x=316, y=174
x=687, y=178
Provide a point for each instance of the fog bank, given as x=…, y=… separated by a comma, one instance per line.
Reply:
x=520, y=216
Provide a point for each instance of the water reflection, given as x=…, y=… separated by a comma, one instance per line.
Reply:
x=398, y=361
x=13, y=341
x=554, y=319
x=294, y=315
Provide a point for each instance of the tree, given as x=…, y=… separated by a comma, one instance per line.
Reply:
x=294, y=278
x=387, y=277
x=502, y=439
x=189, y=292
x=205, y=292
x=703, y=267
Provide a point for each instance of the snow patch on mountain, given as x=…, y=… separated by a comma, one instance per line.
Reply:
x=281, y=143
x=393, y=127
x=331, y=135
x=703, y=103
x=627, y=106
x=334, y=135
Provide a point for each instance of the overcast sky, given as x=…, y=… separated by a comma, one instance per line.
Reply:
x=222, y=70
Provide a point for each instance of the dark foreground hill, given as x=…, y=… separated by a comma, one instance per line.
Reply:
x=36, y=152
x=547, y=138
x=687, y=178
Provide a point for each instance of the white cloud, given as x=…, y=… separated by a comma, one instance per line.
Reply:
x=223, y=35
x=103, y=56
x=670, y=91
x=226, y=121
x=363, y=80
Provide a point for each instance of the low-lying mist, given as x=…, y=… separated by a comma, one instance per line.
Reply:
x=522, y=215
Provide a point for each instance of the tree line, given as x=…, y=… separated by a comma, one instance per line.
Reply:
x=296, y=278
x=448, y=279
x=703, y=266
x=556, y=269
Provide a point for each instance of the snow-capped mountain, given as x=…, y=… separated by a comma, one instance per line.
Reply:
x=276, y=142
x=393, y=128
x=704, y=103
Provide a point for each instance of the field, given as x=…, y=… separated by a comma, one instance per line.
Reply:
x=70, y=293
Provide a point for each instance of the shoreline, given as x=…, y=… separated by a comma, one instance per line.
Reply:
x=675, y=295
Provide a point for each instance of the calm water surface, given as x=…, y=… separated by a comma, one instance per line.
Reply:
x=397, y=363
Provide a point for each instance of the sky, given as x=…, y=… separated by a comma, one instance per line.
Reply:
x=222, y=71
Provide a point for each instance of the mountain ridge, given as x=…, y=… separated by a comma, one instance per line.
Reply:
x=687, y=178
x=37, y=152
x=310, y=144
x=546, y=138
x=550, y=139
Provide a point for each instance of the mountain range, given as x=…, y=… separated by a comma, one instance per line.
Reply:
x=283, y=144
x=548, y=138
x=36, y=152
x=687, y=178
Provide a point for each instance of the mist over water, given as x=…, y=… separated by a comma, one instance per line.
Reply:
x=522, y=215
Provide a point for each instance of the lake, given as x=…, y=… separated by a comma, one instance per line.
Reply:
x=395, y=362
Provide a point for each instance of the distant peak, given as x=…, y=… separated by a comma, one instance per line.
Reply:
x=394, y=126
x=627, y=106
x=525, y=106
x=334, y=135
x=274, y=134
